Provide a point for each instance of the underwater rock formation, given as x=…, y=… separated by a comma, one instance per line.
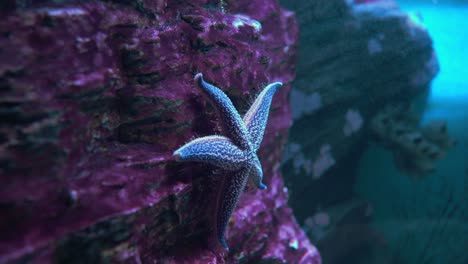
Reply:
x=415, y=149
x=355, y=58
x=94, y=98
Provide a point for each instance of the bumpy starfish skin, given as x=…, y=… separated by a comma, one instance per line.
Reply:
x=236, y=151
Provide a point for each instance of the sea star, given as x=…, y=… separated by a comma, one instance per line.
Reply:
x=235, y=151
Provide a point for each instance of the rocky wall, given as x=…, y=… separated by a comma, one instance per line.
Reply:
x=94, y=98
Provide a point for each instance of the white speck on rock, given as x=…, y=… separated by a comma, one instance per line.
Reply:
x=304, y=103
x=65, y=12
x=323, y=162
x=243, y=20
x=294, y=244
x=353, y=122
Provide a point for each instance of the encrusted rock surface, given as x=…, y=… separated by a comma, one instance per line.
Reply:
x=415, y=149
x=355, y=57
x=93, y=100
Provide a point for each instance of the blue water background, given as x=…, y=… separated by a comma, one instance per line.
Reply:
x=425, y=221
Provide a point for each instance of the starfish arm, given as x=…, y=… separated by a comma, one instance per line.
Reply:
x=215, y=150
x=256, y=174
x=233, y=188
x=231, y=122
x=256, y=118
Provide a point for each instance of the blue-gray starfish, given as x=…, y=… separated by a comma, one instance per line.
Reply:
x=235, y=151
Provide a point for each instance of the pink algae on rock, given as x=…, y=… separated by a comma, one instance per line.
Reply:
x=93, y=100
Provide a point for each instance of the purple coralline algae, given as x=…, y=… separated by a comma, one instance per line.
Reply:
x=94, y=98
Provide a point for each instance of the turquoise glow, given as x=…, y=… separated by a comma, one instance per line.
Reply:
x=448, y=27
